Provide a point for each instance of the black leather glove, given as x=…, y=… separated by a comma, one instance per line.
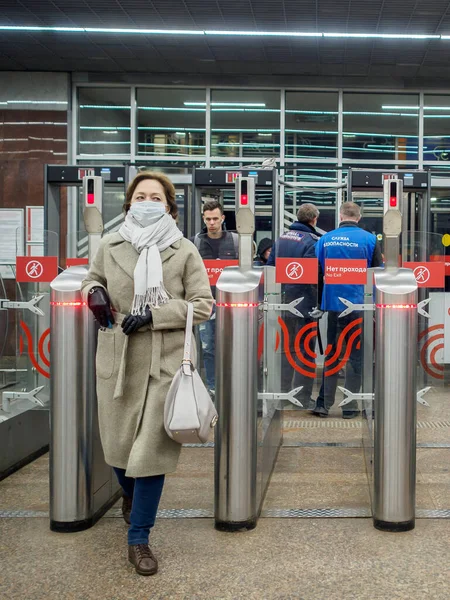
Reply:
x=132, y=323
x=99, y=303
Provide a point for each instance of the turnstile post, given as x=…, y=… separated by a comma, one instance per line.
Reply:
x=395, y=379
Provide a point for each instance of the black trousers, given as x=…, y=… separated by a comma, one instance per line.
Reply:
x=345, y=354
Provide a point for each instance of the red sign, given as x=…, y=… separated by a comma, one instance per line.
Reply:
x=36, y=268
x=352, y=271
x=74, y=262
x=296, y=270
x=440, y=259
x=428, y=274
x=215, y=267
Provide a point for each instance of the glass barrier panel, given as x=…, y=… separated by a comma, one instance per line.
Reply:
x=28, y=337
x=314, y=357
x=424, y=253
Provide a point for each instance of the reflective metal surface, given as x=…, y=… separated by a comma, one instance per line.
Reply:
x=236, y=397
x=395, y=399
x=80, y=481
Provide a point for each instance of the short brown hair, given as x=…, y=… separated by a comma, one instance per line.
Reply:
x=168, y=186
x=307, y=213
x=350, y=210
x=212, y=205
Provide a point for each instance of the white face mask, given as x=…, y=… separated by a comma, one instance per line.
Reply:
x=147, y=212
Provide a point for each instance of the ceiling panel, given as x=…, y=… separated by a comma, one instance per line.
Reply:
x=274, y=56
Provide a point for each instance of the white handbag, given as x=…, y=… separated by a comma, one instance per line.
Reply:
x=189, y=413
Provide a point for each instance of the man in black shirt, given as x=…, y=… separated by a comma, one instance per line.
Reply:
x=213, y=244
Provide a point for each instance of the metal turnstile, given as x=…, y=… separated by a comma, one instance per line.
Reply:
x=236, y=505
x=396, y=298
x=82, y=485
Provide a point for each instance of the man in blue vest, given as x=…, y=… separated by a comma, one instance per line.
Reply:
x=298, y=242
x=344, y=344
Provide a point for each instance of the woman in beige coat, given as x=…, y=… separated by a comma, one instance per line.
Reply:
x=138, y=288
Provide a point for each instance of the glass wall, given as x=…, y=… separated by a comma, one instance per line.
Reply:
x=215, y=127
x=311, y=124
x=104, y=121
x=245, y=123
x=436, y=144
x=171, y=123
x=381, y=126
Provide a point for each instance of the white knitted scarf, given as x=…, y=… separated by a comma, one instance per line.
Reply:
x=149, y=241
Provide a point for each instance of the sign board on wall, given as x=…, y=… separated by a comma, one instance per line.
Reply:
x=11, y=239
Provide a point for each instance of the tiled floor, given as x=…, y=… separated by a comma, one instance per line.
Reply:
x=305, y=559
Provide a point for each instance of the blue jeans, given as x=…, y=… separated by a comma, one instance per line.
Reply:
x=146, y=493
x=207, y=332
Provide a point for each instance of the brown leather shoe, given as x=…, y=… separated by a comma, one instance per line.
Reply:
x=143, y=559
x=126, y=508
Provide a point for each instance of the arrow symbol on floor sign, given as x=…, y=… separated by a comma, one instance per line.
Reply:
x=290, y=396
x=350, y=396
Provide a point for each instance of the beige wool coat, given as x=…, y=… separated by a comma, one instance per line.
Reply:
x=134, y=372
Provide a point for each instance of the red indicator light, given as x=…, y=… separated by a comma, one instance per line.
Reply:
x=244, y=199
x=396, y=306
x=68, y=303
x=393, y=201
x=90, y=199
x=238, y=304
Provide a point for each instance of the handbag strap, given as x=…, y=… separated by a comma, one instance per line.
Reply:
x=188, y=334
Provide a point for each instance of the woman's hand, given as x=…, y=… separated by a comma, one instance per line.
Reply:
x=132, y=323
x=99, y=303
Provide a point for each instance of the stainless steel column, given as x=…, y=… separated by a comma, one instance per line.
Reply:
x=395, y=379
x=236, y=378
x=82, y=485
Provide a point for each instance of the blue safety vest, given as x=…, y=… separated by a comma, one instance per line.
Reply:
x=347, y=242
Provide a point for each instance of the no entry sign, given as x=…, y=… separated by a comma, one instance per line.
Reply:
x=40, y=269
x=296, y=270
x=428, y=274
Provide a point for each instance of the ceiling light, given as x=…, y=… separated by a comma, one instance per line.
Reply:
x=200, y=32
x=110, y=132
x=171, y=108
x=388, y=107
x=265, y=33
x=260, y=104
x=107, y=106
x=34, y=102
x=389, y=36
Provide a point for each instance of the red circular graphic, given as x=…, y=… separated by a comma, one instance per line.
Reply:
x=294, y=271
x=34, y=269
x=422, y=274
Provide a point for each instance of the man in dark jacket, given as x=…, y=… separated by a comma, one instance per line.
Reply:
x=214, y=244
x=349, y=241
x=298, y=367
